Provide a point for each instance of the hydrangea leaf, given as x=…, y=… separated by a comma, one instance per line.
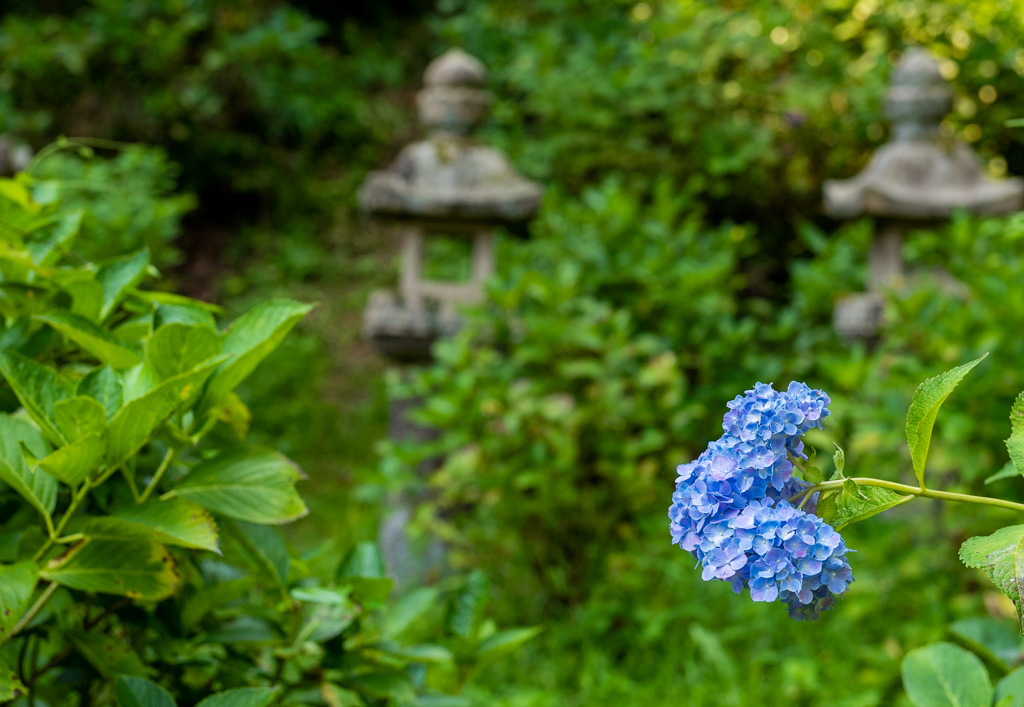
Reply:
x=137, y=568
x=253, y=485
x=139, y=692
x=38, y=388
x=867, y=501
x=1001, y=555
x=1015, y=443
x=268, y=548
x=828, y=505
x=251, y=338
x=136, y=422
x=1010, y=690
x=1008, y=471
x=839, y=459
x=110, y=655
x=92, y=339
x=944, y=675
x=505, y=642
x=37, y=487
x=241, y=697
x=79, y=417
x=174, y=349
x=117, y=277
x=73, y=462
x=924, y=407
x=172, y=522
x=104, y=386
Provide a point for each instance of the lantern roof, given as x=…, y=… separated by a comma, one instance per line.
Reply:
x=918, y=174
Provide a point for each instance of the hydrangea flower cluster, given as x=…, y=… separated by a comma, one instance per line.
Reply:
x=731, y=506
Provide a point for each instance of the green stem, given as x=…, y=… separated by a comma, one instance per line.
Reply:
x=916, y=491
x=31, y=613
x=164, y=465
x=75, y=501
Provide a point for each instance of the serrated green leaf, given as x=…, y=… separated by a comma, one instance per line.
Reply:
x=80, y=416
x=241, y=697
x=944, y=675
x=183, y=314
x=172, y=522
x=1015, y=442
x=38, y=389
x=252, y=485
x=1001, y=555
x=828, y=506
x=175, y=349
x=17, y=582
x=924, y=407
x=428, y=653
x=104, y=386
x=505, y=642
x=73, y=462
x=139, y=569
x=251, y=338
x=812, y=474
x=37, y=487
x=1010, y=690
x=138, y=421
x=93, y=339
x=119, y=276
x=138, y=692
x=863, y=503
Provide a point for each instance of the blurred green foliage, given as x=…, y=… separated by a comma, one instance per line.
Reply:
x=680, y=256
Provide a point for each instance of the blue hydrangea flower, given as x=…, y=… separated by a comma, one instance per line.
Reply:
x=731, y=507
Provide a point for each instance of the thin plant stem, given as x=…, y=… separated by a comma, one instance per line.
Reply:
x=55, y=534
x=916, y=491
x=34, y=610
x=151, y=486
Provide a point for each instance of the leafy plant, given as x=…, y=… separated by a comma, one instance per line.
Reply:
x=133, y=542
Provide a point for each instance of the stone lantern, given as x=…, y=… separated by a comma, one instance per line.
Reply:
x=447, y=186
x=445, y=189
x=917, y=180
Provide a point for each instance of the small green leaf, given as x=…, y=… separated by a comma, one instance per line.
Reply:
x=118, y=276
x=944, y=675
x=37, y=487
x=92, y=339
x=138, y=421
x=997, y=642
x=17, y=582
x=1001, y=555
x=812, y=474
x=863, y=502
x=139, y=569
x=75, y=461
x=1011, y=689
x=38, y=389
x=241, y=697
x=251, y=338
x=505, y=642
x=408, y=610
x=137, y=692
x=80, y=416
x=466, y=609
x=104, y=386
x=175, y=349
x=363, y=560
x=1008, y=471
x=839, y=459
x=828, y=506
x=427, y=653
x=252, y=485
x=928, y=398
